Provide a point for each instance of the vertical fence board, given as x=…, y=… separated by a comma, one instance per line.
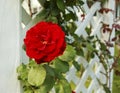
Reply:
x=9, y=45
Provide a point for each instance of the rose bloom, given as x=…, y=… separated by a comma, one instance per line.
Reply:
x=44, y=42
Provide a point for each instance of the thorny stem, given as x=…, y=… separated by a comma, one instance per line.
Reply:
x=108, y=73
x=110, y=34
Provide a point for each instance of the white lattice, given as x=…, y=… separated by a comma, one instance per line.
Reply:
x=94, y=74
x=92, y=69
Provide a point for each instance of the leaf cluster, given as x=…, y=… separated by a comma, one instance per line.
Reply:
x=42, y=78
x=62, y=12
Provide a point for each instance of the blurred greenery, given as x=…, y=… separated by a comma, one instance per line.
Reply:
x=116, y=83
x=116, y=77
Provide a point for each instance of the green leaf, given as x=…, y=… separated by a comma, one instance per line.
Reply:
x=63, y=86
x=76, y=65
x=36, y=76
x=92, y=55
x=80, y=52
x=88, y=30
x=118, y=61
x=32, y=63
x=90, y=47
x=25, y=84
x=42, y=2
x=47, y=85
x=49, y=70
x=21, y=68
x=22, y=72
x=25, y=16
x=90, y=37
x=107, y=90
x=70, y=16
x=61, y=66
x=80, y=2
x=28, y=91
x=59, y=88
x=40, y=17
x=38, y=91
x=52, y=19
x=69, y=3
x=69, y=54
x=21, y=1
x=71, y=27
x=61, y=5
x=66, y=86
x=103, y=46
x=55, y=12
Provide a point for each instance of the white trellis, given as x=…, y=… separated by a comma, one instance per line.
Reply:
x=95, y=21
x=89, y=74
x=94, y=86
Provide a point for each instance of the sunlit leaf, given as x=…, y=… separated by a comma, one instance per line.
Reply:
x=36, y=76
x=90, y=47
x=63, y=86
x=52, y=19
x=47, y=85
x=61, y=66
x=42, y=2
x=69, y=54
x=22, y=72
x=28, y=91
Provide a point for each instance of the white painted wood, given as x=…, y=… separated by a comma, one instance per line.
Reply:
x=81, y=28
x=9, y=46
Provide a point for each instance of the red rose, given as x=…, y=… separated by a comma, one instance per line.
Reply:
x=44, y=42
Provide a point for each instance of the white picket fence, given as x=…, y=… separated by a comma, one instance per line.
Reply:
x=13, y=14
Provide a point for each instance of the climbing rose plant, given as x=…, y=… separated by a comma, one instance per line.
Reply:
x=45, y=45
x=52, y=47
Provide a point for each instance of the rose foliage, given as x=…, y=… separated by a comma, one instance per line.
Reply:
x=44, y=45
x=47, y=46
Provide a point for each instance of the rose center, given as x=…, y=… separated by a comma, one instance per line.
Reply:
x=44, y=42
